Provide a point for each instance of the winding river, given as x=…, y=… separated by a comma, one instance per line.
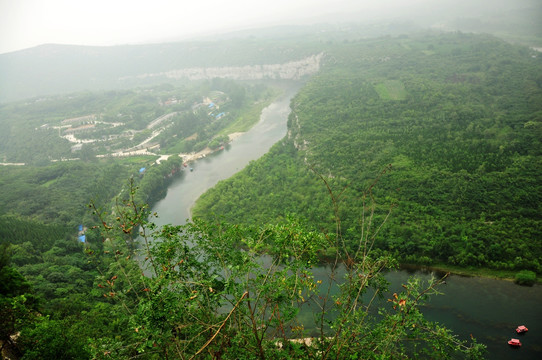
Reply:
x=489, y=309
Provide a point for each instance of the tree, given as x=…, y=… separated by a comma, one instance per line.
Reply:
x=16, y=303
x=215, y=290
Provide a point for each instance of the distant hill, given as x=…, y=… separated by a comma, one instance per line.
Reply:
x=53, y=69
x=60, y=69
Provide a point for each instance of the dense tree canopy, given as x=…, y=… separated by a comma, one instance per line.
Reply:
x=457, y=116
x=442, y=131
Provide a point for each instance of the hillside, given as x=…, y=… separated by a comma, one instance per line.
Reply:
x=450, y=125
x=152, y=121
x=60, y=69
x=457, y=116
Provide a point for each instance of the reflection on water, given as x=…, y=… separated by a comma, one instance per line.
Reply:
x=488, y=309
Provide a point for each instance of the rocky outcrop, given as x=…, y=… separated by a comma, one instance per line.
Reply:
x=293, y=70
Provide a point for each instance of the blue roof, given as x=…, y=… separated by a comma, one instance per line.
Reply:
x=82, y=238
x=211, y=105
x=80, y=227
x=141, y=170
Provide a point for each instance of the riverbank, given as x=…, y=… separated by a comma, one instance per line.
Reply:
x=471, y=305
x=193, y=156
x=507, y=275
x=250, y=115
x=269, y=126
x=441, y=269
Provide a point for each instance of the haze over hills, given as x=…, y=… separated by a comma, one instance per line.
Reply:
x=51, y=69
x=451, y=120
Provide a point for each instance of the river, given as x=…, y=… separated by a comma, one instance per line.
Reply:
x=184, y=191
x=488, y=309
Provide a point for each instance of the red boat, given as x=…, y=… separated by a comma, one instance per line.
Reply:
x=514, y=342
x=521, y=329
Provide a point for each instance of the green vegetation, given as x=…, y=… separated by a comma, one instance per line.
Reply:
x=449, y=124
x=173, y=119
x=464, y=145
x=212, y=296
x=59, y=192
x=236, y=108
x=44, y=202
x=250, y=114
x=525, y=277
x=391, y=90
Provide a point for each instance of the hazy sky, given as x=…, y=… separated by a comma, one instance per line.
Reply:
x=27, y=23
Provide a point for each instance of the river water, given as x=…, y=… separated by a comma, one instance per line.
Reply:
x=488, y=309
x=185, y=190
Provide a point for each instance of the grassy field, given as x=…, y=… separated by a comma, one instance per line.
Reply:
x=391, y=90
x=250, y=115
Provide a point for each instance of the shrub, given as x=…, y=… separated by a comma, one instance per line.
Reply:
x=525, y=277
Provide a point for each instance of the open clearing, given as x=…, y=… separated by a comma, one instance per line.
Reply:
x=391, y=90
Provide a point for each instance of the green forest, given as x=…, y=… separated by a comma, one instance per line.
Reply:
x=209, y=295
x=413, y=149
x=36, y=131
x=457, y=118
